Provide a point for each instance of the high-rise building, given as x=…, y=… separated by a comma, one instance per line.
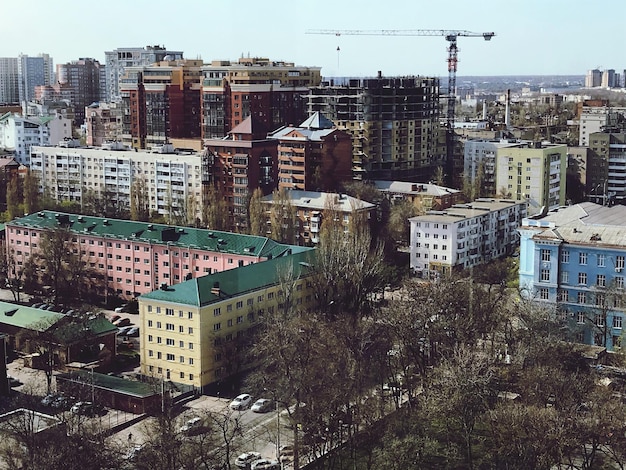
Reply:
x=606, y=167
x=593, y=78
x=394, y=123
x=82, y=78
x=314, y=156
x=270, y=91
x=118, y=60
x=533, y=172
x=608, y=78
x=161, y=101
x=32, y=72
x=9, y=83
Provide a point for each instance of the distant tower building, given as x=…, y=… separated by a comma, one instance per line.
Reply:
x=33, y=72
x=118, y=60
x=9, y=88
x=608, y=79
x=394, y=123
x=82, y=78
x=593, y=78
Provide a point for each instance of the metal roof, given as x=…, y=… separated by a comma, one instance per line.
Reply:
x=159, y=234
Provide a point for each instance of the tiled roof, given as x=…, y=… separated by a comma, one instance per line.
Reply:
x=116, y=229
x=198, y=292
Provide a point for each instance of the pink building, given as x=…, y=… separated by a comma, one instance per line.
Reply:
x=137, y=257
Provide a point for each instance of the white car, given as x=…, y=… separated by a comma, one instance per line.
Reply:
x=265, y=464
x=245, y=459
x=191, y=425
x=241, y=402
x=262, y=405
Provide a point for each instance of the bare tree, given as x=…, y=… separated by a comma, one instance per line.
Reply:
x=256, y=213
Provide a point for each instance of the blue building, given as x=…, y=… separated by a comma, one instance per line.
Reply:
x=573, y=258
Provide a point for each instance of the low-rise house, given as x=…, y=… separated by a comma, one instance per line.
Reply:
x=424, y=196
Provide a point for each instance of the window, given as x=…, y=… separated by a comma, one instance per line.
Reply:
x=169, y=326
x=544, y=293
x=169, y=311
x=149, y=323
x=190, y=345
x=599, y=320
x=240, y=319
x=601, y=280
x=565, y=277
x=580, y=318
x=601, y=260
x=545, y=275
x=619, y=282
x=190, y=330
x=190, y=315
x=217, y=326
x=170, y=357
x=619, y=263
x=565, y=256
x=181, y=359
x=181, y=344
x=240, y=304
x=169, y=341
x=191, y=361
x=216, y=312
x=545, y=255
x=582, y=298
x=582, y=258
x=617, y=321
x=158, y=325
x=582, y=278
x=181, y=328
x=230, y=322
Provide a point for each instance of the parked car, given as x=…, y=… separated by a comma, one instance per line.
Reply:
x=244, y=460
x=120, y=309
x=49, y=399
x=122, y=322
x=133, y=332
x=262, y=405
x=124, y=330
x=114, y=318
x=241, y=402
x=191, y=425
x=87, y=408
x=62, y=402
x=286, y=454
x=265, y=464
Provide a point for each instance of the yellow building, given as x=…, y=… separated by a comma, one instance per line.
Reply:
x=533, y=172
x=194, y=332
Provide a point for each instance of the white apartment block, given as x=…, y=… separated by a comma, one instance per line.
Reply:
x=18, y=134
x=595, y=119
x=464, y=236
x=70, y=173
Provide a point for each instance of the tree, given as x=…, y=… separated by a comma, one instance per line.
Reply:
x=282, y=217
x=13, y=199
x=10, y=275
x=139, y=200
x=30, y=191
x=215, y=212
x=399, y=227
x=256, y=214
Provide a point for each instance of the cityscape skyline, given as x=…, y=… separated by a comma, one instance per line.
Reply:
x=266, y=29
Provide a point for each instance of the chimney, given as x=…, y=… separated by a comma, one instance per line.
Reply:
x=485, y=110
x=507, y=109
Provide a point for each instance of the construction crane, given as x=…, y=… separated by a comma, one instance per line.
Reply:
x=451, y=36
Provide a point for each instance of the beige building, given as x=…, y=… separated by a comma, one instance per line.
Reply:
x=192, y=332
x=533, y=172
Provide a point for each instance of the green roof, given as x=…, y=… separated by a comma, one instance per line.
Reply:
x=30, y=318
x=235, y=282
x=108, y=382
x=184, y=237
x=1, y=227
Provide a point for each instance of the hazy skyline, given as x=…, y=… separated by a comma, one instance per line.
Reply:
x=550, y=37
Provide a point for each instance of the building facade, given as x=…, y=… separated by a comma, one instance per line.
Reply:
x=573, y=260
x=464, y=236
x=9, y=82
x=314, y=156
x=606, y=167
x=161, y=102
x=103, y=123
x=269, y=91
x=424, y=196
x=135, y=258
x=118, y=60
x=393, y=121
x=311, y=206
x=82, y=78
x=191, y=332
x=533, y=172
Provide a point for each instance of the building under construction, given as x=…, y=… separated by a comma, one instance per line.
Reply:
x=394, y=123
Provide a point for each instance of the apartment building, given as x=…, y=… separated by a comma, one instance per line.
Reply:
x=82, y=78
x=533, y=172
x=270, y=91
x=573, y=259
x=135, y=258
x=9, y=88
x=103, y=123
x=118, y=60
x=19, y=134
x=238, y=164
x=314, y=156
x=170, y=180
x=606, y=167
x=161, y=102
x=393, y=121
x=424, y=196
x=464, y=235
x=479, y=161
x=310, y=207
x=190, y=331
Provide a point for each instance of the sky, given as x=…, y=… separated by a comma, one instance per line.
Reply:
x=533, y=37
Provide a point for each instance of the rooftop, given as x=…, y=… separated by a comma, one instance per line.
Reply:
x=202, y=291
x=467, y=211
x=404, y=187
x=108, y=382
x=319, y=201
x=157, y=234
